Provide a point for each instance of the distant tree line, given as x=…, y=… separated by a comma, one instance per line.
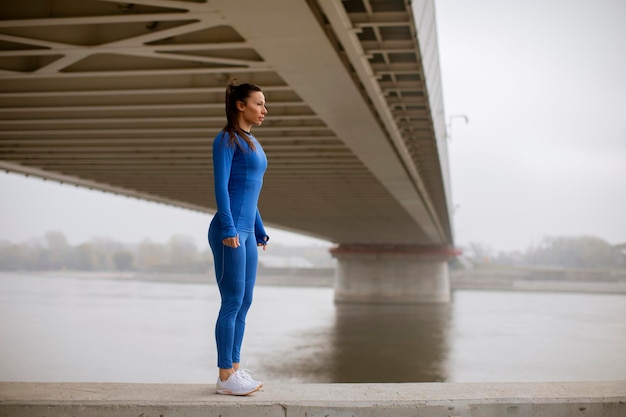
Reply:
x=180, y=254
x=53, y=252
x=560, y=251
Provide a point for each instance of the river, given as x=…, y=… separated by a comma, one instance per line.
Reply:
x=78, y=329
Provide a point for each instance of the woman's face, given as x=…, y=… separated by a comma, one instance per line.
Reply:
x=253, y=111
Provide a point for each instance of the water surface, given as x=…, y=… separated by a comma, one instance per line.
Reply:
x=61, y=328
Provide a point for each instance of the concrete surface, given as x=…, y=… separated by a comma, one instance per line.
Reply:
x=554, y=399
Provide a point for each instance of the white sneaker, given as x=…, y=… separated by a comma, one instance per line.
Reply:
x=236, y=384
x=245, y=374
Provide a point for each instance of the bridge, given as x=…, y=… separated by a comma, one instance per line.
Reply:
x=126, y=97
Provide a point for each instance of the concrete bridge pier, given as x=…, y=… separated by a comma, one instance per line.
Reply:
x=392, y=274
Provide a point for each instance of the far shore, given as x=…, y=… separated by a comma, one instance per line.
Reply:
x=320, y=279
x=495, y=279
x=511, y=278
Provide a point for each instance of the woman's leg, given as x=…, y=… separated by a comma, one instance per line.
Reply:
x=230, y=272
x=251, y=252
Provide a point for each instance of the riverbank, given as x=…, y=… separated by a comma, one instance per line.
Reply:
x=287, y=278
x=502, y=278
x=498, y=278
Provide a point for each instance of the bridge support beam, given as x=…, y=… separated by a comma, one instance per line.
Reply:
x=392, y=274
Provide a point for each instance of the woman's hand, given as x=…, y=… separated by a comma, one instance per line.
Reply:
x=264, y=242
x=232, y=242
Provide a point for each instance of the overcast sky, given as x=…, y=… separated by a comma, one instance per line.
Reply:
x=543, y=83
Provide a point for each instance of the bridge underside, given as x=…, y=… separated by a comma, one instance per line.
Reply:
x=126, y=97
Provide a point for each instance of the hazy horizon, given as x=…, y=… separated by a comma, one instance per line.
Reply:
x=543, y=154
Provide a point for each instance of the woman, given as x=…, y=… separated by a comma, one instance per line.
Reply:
x=237, y=229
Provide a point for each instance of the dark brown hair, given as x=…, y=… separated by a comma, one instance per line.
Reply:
x=234, y=94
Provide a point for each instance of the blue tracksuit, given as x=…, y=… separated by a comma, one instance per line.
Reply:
x=238, y=173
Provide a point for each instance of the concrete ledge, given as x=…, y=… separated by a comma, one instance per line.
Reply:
x=567, y=399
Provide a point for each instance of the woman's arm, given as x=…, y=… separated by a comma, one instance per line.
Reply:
x=223, y=154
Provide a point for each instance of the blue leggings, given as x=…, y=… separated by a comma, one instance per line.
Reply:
x=235, y=271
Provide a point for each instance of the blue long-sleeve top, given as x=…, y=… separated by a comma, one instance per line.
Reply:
x=238, y=178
